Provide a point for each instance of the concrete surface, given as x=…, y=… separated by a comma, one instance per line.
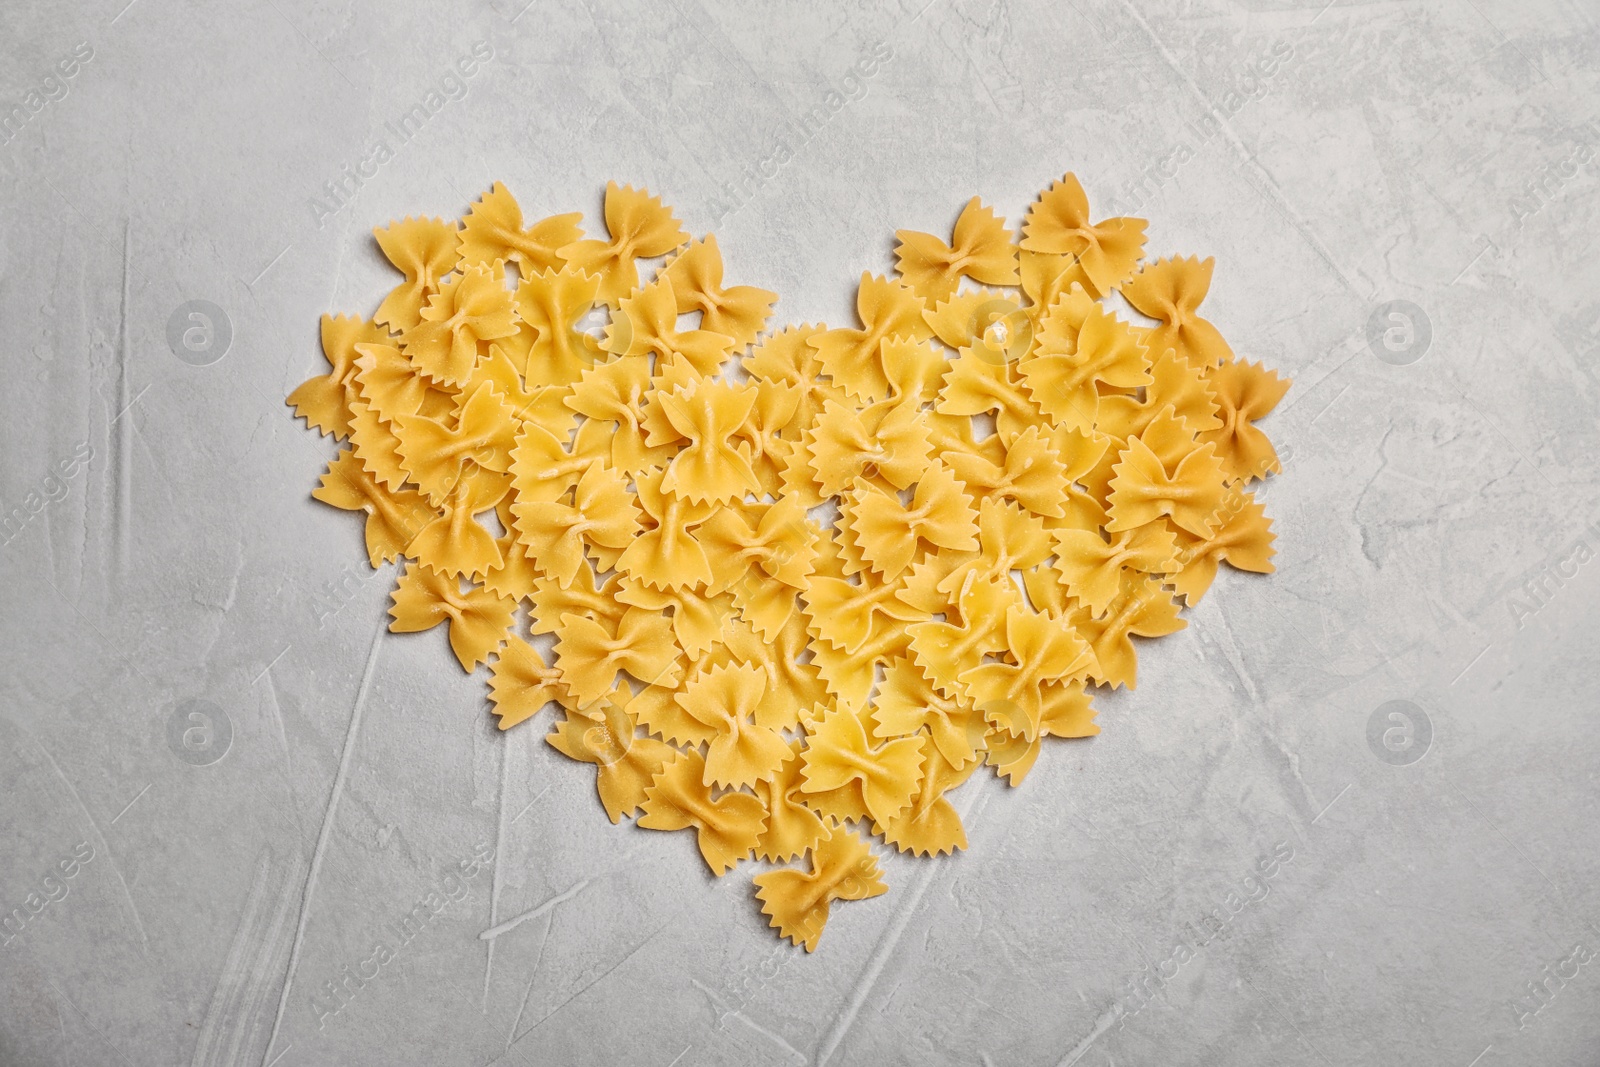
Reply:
x=1436, y=528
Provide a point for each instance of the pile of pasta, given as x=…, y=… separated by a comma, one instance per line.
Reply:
x=789, y=588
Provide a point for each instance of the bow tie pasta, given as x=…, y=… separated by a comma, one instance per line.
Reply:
x=790, y=588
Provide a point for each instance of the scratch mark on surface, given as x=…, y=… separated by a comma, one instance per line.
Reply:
x=252, y=283
x=590, y=985
x=327, y=828
x=115, y=869
x=770, y=1035
x=120, y=437
x=680, y=1056
x=1328, y=405
x=126, y=407
x=511, y=924
x=236, y=998
x=130, y=804
x=530, y=804
x=1101, y=1025
x=269, y=666
x=528, y=992
x=92, y=1027
x=1331, y=803
x=1469, y=666
x=1279, y=1012
x=886, y=945
x=494, y=877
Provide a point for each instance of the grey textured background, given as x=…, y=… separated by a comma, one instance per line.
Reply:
x=1436, y=152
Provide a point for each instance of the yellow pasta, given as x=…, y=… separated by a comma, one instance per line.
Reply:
x=424, y=250
x=797, y=902
x=980, y=249
x=640, y=227
x=478, y=620
x=792, y=587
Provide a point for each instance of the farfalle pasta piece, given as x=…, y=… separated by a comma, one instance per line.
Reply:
x=981, y=381
x=724, y=701
x=394, y=517
x=1032, y=474
x=425, y=251
x=738, y=311
x=493, y=232
x=1009, y=539
x=602, y=515
x=1041, y=648
x=962, y=319
x=980, y=249
x=389, y=385
x=787, y=358
x=798, y=902
x=848, y=615
x=1091, y=567
x=944, y=651
x=454, y=543
x=781, y=547
x=1169, y=291
x=726, y=827
x=666, y=555
x=1058, y=224
x=591, y=654
x=889, y=533
x=646, y=324
x=887, y=441
x=552, y=303
x=612, y=398
x=324, y=400
x=930, y=825
x=908, y=703
x=587, y=596
x=1065, y=383
x=437, y=456
x=641, y=227
x=521, y=684
x=1143, y=491
x=1243, y=539
x=1245, y=392
x=625, y=765
x=1142, y=608
x=850, y=356
x=792, y=827
x=839, y=755
x=478, y=620
x=541, y=467
x=1173, y=384
x=469, y=307
x=710, y=468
